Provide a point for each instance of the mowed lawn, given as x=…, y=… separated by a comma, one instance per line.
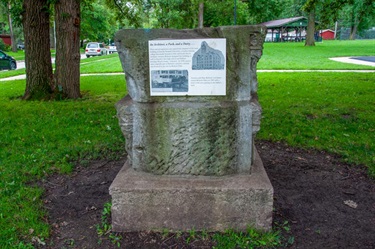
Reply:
x=294, y=55
x=326, y=111
x=40, y=138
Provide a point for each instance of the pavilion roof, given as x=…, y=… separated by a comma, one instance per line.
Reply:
x=287, y=22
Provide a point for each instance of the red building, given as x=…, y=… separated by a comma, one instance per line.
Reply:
x=6, y=39
x=327, y=34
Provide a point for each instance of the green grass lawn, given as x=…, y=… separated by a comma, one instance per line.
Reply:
x=325, y=111
x=294, y=55
x=101, y=64
x=39, y=138
x=19, y=55
x=11, y=73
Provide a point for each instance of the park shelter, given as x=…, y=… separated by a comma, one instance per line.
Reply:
x=288, y=29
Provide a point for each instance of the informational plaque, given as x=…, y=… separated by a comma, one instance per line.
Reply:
x=187, y=67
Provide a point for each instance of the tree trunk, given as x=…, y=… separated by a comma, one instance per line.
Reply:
x=354, y=25
x=310, y=40
x=67, y=73
x=39, y=76
x=12, y=36
x=353, y=32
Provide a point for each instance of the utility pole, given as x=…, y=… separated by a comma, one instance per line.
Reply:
x=335, y=30
x=200, y=15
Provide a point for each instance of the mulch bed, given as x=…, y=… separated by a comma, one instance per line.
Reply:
x=327, y=203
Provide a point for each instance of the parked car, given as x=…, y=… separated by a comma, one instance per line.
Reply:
x=95, y=49
x=112, y=48
x=21, y=46
x=7, y=62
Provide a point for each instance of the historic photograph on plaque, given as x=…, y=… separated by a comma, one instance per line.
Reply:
x=187, y=67
x=169, y=81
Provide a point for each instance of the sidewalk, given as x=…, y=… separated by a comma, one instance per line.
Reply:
x=23, y=76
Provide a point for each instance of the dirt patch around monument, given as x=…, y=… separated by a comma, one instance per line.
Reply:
x=325, y=202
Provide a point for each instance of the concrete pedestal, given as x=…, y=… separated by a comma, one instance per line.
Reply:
x=143, y=201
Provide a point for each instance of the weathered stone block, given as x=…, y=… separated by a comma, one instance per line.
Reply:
x=143, y=201
x=191, y=159
x=193, y=135
x=210, y=138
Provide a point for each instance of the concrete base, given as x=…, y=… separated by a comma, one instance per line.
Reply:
x=143, y=201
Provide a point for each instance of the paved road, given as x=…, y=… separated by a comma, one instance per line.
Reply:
x=21, y=64
x=369, y=62
x=365, y=58
x=360, y=60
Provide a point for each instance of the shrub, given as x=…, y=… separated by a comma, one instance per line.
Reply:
x=3, y=46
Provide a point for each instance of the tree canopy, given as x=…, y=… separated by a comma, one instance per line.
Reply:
x=356, y=14
x=98, y=23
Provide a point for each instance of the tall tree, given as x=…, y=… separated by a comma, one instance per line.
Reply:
x=13, y=10
x=97, y=22
x=359, y=15
x=173, y=14
x=12, y=35
x=133, y=12
x=39, y=80
x=6, y=17
x=265, y=10
x=157, y=13
x=220, y=13
x=310, y=7
x=291, y=8
x=67, y=72
x=3, y=11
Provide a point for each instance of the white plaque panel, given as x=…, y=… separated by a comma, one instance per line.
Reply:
x=187, y=67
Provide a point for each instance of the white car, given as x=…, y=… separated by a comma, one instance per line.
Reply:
x=95, y=49
x=112, y=48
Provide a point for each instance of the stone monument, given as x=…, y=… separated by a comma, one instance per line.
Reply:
x=189, y=121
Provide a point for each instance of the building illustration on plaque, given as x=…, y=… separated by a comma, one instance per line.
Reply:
x=207, y=58
x=169, y=81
